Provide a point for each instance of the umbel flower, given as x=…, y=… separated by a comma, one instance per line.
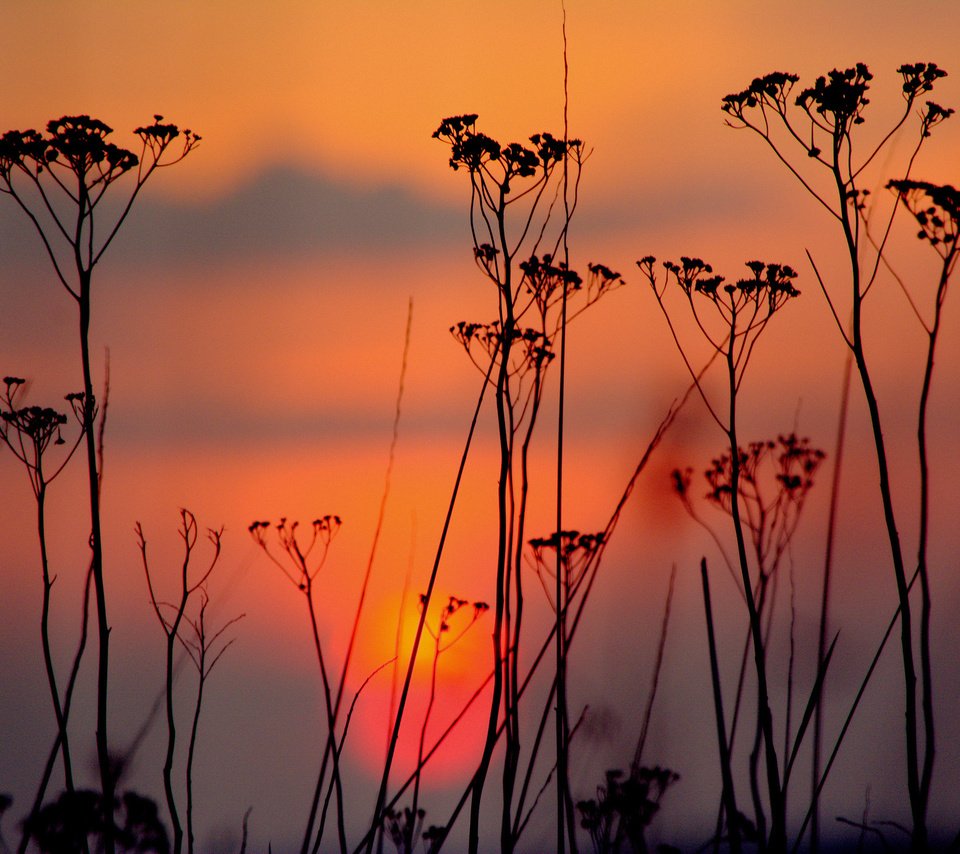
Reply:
x=476, y=151
x=572, y=551
x=936, y=208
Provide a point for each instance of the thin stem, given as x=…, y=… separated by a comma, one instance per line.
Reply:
x=825, y=595
x=391, y=750
x=728, y=797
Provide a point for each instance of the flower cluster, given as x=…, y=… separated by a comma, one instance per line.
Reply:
x=404, y=827
x=933, y=115
x=836, y=100
x=323, y=530
x=691, y=274
x=453, y=606
x=624, y=807
x=695, y=276
x=474, y=150
x=545, y=281
x=794, y=467
x=935, y=207
x=39, y=423
x=771, y=88
x=774, y=481
x=28, y=431
x=24, y=149
x=575, y=552
x=797, y=463
x=838, y=97
x=80, y=144
x=919, y=77
x=529, y=347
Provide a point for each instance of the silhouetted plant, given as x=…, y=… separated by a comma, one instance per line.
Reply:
x=174, y=619
x=563, y=558
x=294, y=560
x=205, y=648
x=624, y=808
x=404, y=827
x=519, y=245
x=59, y=179
x=775, y=479
x=821, y=121
x=572, y=552
x=739, y=312
x=29, y=432
x=69, y=824
x=510, y=216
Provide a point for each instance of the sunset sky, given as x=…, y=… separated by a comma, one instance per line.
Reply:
x=255, y=305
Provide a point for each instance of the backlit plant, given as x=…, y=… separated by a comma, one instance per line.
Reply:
x=822, y=121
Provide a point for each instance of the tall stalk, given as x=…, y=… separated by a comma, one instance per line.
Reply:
x=302, y=571
x=742, y=311
x=515, y=357
x=936, y=209
x=728, y=797
x=825, y=599
x=58, y=180
x=827, y=114
x=566, y=821
x=171, y=626
x=29, y=433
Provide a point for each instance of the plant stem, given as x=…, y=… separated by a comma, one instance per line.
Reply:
x=778, y=839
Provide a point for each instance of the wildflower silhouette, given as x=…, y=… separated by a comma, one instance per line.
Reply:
x=821, y=120
x=572, y=552
x=624, y=808
x=30, y=432
x=775, y=480
x=404, y=828
x=75, y=818
x=59, y=180
x=174, y=620
x=296, y=559
x=513, y=188
x=734, y=317
x=786, y=467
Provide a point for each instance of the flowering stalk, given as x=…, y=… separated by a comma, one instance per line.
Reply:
x=442, y=641
x=741, y=312
x=775, y=479
x=29, y=432
x=295, y=565
x=171, y=626
x=509, y=187
x=58, y=180
x=822, y=120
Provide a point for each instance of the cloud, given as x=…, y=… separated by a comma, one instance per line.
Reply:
x=281, y=210
x=284, y=210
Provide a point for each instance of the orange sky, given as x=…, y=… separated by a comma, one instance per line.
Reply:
x=255, y=304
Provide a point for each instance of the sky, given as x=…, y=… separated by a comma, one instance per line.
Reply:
x=255, y=305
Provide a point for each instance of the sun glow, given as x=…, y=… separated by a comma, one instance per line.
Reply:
x=452, y=677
